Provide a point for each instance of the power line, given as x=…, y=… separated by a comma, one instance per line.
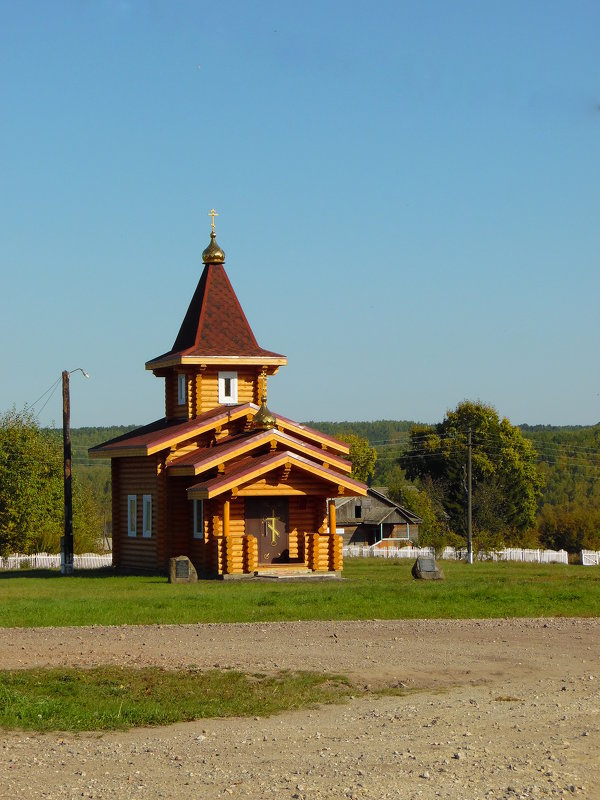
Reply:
x=47, y=400
x=54, y=385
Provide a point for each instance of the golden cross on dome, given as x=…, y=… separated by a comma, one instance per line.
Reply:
x=212, y=213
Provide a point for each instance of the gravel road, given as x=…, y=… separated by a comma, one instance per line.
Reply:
x=500, y=709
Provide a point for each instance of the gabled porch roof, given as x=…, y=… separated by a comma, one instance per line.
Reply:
x=252, y=469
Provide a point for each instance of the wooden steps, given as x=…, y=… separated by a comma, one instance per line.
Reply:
x=292, y=572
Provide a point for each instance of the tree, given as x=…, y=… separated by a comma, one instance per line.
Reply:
x=569, y=528
x=362, y=456
x=31, y=491
x=506, y=481
x=433, y=531
x=31, y=500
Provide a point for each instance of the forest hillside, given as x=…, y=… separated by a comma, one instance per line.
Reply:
x=567, y=459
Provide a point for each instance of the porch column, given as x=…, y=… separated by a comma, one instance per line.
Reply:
x=335, y=541
x=332, y=517
x=226, y=518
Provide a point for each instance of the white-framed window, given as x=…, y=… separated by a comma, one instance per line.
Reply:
x=181, y=389
x=198, y=519
x=228, y=387
x=147, y=516
x=131, y=515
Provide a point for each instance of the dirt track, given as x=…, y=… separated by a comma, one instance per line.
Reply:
x=506, y=709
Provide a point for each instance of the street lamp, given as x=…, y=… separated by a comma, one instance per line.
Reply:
x=66, y=542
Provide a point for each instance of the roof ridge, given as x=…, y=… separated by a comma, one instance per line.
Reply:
x=208, y=273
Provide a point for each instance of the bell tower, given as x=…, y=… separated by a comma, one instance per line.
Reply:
x=215, y=359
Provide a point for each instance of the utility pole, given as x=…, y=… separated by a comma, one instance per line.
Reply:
x=66, y=561
x=469, y=499
x=66, y=542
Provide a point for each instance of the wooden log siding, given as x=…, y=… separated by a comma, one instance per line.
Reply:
x=180, y=518
x=236, y=548
x=323, y=548
x=137, y=476
x=218, y=556
x=250, y=554
x=172, y=408
x=322, y=521
x=298, y=483
x=203, y=391
x=235, y=555
x=159, y=512
x=336, y=553
x=213, y=509
x=247, y=383
x=196, y=393
x=319, y=551
x=117, y=529
x=302, y=516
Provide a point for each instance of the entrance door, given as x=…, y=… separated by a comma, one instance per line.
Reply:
x=267, y=519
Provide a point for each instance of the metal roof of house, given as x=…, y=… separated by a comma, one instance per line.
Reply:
x=376, y=515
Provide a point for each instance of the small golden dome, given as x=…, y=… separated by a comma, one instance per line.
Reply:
x=264, y=419
x=213, y=253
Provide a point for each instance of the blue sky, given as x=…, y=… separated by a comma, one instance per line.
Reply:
x=408, y=200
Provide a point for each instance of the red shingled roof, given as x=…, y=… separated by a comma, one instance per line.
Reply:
x=215, y=324
x=165, y=433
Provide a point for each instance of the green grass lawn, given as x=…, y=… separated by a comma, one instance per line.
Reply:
x=109, y=698
x=371, y=588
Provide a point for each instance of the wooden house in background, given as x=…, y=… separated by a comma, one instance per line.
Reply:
x=220, y=478
x=374, y=519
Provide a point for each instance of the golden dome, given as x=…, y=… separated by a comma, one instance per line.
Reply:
x=264, y=419
x=213, y=253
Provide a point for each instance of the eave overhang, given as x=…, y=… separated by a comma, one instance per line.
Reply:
x=303, y=430
x=179, y=359
x=144, y=442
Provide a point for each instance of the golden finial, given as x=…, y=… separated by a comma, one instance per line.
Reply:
x=213, y=253
x=264, y=419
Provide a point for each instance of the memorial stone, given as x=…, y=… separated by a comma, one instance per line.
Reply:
x=426, y=569
x=181, y=570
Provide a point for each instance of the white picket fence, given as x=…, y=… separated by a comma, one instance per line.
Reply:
x=52, y=561
x=590, y=558
x=450, y=554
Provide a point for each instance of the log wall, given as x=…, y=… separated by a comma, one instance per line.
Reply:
x=136, y=476
x=302, y=515
x=172, y=408
x=247, y=381
x=324, y=552
x=172, y=524
x=203, y=390
x=117, y=530
x=297, y=483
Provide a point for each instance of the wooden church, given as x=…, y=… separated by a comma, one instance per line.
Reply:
x=237, y=488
